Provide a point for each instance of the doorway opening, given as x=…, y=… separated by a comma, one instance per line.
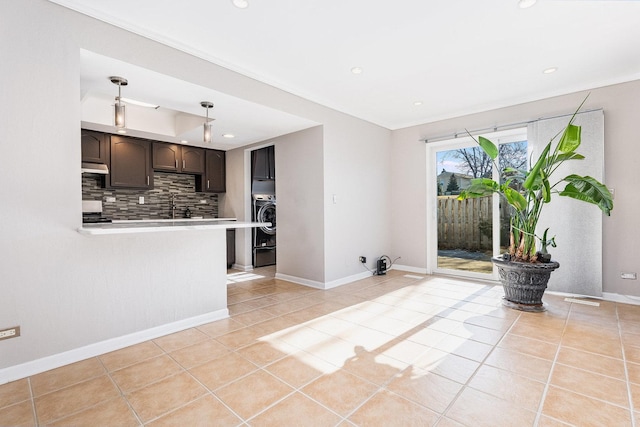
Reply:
x=263, y=206
x=465, y=234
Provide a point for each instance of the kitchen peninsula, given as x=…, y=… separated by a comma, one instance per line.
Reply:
x=149, y=278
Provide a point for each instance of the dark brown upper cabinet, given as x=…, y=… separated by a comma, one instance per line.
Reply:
x=213, y=180
x=94, y=146
x=178, y=158
x=193, y=160
x=263, y=165
x=130, y=163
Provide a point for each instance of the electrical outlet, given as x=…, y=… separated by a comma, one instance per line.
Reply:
x=363, y=259
x=203, y=202
x=110, y=199
x=10, y=333
x=629, y=276
x=141, y=200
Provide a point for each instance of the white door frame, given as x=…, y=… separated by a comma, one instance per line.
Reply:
x=497, y=138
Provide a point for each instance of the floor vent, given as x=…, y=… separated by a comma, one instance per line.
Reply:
x=411, y=276
x=581, y=301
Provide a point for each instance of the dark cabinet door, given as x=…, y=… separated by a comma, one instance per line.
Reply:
x=130, y=163
x=178, y=158
x=94, y=146
x=271, y=156
x=167, y=157
x=263, y=163
x=193, y=160
x=213, y=181
x=231, y=247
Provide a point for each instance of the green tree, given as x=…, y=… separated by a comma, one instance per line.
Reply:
x=453, y=184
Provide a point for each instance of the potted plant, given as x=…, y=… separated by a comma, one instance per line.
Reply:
x=526, y=268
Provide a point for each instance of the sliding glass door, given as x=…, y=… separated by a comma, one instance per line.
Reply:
x=465, y=234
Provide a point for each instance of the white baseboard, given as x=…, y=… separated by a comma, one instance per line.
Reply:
x=627, y=299
x=326, y=285
x=409, y=269
x=300, y=281
x=28, y=369
x=242, y=267
x=348, y=279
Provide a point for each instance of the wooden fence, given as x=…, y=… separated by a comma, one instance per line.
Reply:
x=464, y=224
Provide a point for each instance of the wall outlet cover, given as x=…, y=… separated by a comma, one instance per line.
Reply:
x=13, y=332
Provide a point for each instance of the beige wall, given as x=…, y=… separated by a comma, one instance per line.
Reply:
x=299, y=186
x=621, y=104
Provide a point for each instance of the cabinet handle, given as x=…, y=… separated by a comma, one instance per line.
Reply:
x=147, y=179
x=176, y=163
x=207, y=183
x=184, y=164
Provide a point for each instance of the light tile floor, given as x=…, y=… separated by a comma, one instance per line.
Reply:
x=390, y=350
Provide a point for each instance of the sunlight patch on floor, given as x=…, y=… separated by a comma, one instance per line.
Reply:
x=242, y=277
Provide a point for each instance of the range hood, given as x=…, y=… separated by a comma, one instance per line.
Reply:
x=99, y=168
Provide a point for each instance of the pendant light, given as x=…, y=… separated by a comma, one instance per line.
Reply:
x=207, y=125
x=119, y=118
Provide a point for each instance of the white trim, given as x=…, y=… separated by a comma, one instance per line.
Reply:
x=410, y=269
x=348, y=279
x=464, y=141
x=47, y=363
x=300, y=281
x=242, y=267
x=321, y=285
x=626, y=299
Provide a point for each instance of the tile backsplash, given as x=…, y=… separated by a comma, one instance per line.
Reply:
x=157, y=202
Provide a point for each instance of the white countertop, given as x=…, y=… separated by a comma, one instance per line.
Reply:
x=159, y=225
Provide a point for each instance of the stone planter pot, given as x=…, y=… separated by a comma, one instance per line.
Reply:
x=524, y=283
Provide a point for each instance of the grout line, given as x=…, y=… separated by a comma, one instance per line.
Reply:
x=212, y=393
x=480, y=365
x=122, y=393
x=553, y=365
x=33, y=402
x=626, y=370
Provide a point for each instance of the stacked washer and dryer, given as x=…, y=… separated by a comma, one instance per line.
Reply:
x=263, y=205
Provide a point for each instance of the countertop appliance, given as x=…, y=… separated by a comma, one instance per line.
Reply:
x=92, y=212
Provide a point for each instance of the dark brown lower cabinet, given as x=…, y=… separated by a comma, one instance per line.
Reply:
x=231, y=247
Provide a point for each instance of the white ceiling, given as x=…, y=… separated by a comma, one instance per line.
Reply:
x=179, y=117
x=455, y=56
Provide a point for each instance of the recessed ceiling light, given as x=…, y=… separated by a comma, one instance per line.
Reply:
x=417, y=103
x=240, y=4
x=550, y=70
x=525, y=4
x=228, y=135
x=122, y=131
x=356, y=70
x=184, y=141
